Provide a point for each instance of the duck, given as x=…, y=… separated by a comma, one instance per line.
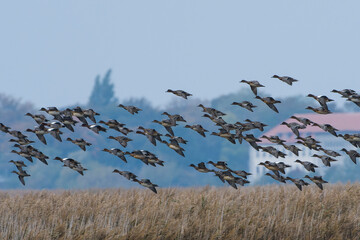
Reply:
x=355, y=98
x=56, y=133
x=245, y=104
x=39, y=131
x=286, y=79
x=323, y=100
x=113, y=124
x=309, y=142
x=79, y=142
x=345, y=93
x=273, y=151
x=274, y=139
x=327, y=128
x=294, y=127
x=325, y=159
x=225, y=134
x=317, y=180
x=180, y=93
x=69, y=122
x=252, y=141
x=174, y=145
x=352, y=154
x=307, y=165
x=253, y=85
x=128, y=175
x=25, y=154
x=117, y=152
x=241, y=173
x=72, y=164
x=130, y=109
x=330, y=152
x=40, y=155
x=53, y=111
x=174, y=117
x=354, y=139
x=303, y=120
x=56, y=125
x=121, y=139
x=219, y=121
x=90, y=113
x=22, y=141
x=299, y=183
x=275, y=167
x=201, y=168
x=198, y=128
x=276, y=177
x=220, y=165
x=319, y=110
x=39, y=118
x=19, y=164
x=17, y=134
x=79, y=114
x=95, y=128
x=212, y=111
x=167, y=124
x=256, y=124
x=147, y=183
x=151, y=134
x=4, y=128
x=292, y=148
x=269, y=101
x=177, y=139
x=21, y=175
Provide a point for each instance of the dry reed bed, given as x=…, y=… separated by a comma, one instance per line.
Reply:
x=269, y=212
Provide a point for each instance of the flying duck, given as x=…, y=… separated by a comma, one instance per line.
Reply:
x=302, y=120
x=21, y=175
x=130, y=109
x=175, y=117
x=330, y=152
x=292, y=148
x=323, y=100
x=299, y=183
x=319, y=110
x=276, y=177
x=245, y=104
x=151, y=134
x=325, y=159
x=128, y=175
x=19, y=164
x=147, y=183
x=241, y=173
x=39, y=119
x=220, y=165
x=286, y=79
x=79, y=142
x=174, y=145
x=352, y=154
x=180, y=93
x=201, y=168
x=117, y=152
x=167, y=124
x=39, y=131
x=253, y=85
x=95, y=128
x=269, y=101
x=307, y=165
x=294, y=127
x=53, y=111
x=121, y=139
x=317, y=180
x=90, y=113
x=327, y=128
x=212, y=111
x=198, y=128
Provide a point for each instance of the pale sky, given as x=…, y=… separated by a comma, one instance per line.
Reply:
x=51, y=51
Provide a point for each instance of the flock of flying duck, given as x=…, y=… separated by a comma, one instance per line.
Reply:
x=231, y=132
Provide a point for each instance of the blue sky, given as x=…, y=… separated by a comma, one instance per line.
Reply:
x=51, y=51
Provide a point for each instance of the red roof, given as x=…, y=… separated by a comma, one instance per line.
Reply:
x=340, y=121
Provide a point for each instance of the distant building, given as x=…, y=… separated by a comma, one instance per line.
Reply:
x=344, y=122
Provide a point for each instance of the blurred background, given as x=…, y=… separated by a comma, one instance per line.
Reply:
x=97, y=54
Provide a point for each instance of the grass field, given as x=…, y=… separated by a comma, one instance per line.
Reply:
x=268, y=212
